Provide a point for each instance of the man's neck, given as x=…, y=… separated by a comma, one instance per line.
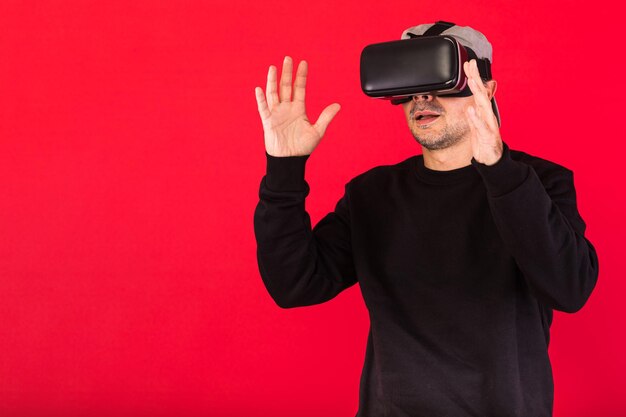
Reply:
x=453, y=157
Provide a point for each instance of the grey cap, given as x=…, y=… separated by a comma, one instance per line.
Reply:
x=464, y=34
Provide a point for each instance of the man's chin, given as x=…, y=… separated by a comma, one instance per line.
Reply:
x=436, y=144
x=431, y=144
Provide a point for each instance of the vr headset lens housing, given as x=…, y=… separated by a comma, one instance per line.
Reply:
x=403, y=68
x=398, y=70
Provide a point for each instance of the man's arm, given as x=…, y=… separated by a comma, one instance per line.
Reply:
x=541, y=227
x=299, y=266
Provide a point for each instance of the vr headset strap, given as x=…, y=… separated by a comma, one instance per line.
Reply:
x=437, y=28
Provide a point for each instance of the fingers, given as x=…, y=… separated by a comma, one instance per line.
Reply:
x=476, y=122
x=283, y=93
x=264, y=111
x=471, y=70
x=272, y=95
x=285, y=79
x=300, y=84
x=481, y=95
x=483, y=105
x=325, y=118
x=475, y=82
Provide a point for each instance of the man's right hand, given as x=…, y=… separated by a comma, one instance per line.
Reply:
x=286, y=127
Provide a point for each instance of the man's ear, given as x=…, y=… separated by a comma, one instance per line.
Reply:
x=492, y=86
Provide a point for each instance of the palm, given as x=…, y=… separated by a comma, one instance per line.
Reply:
x=286, y=127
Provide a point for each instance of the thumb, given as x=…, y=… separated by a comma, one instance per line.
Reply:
x=325, y=118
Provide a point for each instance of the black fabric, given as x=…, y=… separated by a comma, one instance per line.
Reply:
x=437, y=28
x=460, y=271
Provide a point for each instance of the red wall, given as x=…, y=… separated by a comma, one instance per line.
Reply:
x=131, y=153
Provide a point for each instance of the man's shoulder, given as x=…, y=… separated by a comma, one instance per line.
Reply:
x=540, y=165
x=550, y=173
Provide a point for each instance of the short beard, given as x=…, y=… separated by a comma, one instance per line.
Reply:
x=450, y=136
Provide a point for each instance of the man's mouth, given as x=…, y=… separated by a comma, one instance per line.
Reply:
x=425, y=117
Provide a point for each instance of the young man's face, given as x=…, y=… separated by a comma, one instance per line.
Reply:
x=450, y=127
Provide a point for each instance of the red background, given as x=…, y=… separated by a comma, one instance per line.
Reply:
x=131, y=153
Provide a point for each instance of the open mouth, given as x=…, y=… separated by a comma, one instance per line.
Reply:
x=424, y=119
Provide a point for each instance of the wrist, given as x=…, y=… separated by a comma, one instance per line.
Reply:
x=494, y=157
x=285, y=173
x=504, y=175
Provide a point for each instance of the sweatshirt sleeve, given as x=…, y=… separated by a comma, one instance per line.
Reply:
x=300, y=266
x=539, y=223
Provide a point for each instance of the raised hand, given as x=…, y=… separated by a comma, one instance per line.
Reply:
x=485, y=137
x=286, y=127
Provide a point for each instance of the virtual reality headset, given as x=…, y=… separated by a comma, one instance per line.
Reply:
x=424, y=64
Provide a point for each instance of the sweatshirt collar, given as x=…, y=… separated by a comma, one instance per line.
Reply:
x=433, y=176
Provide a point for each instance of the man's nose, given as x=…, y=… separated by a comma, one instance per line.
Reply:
x=423, y=97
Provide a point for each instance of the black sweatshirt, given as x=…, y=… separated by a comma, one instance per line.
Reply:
x=460, y=271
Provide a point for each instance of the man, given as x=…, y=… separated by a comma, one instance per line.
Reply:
x=461, y=253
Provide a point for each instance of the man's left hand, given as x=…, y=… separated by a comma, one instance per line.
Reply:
x=485, y=133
